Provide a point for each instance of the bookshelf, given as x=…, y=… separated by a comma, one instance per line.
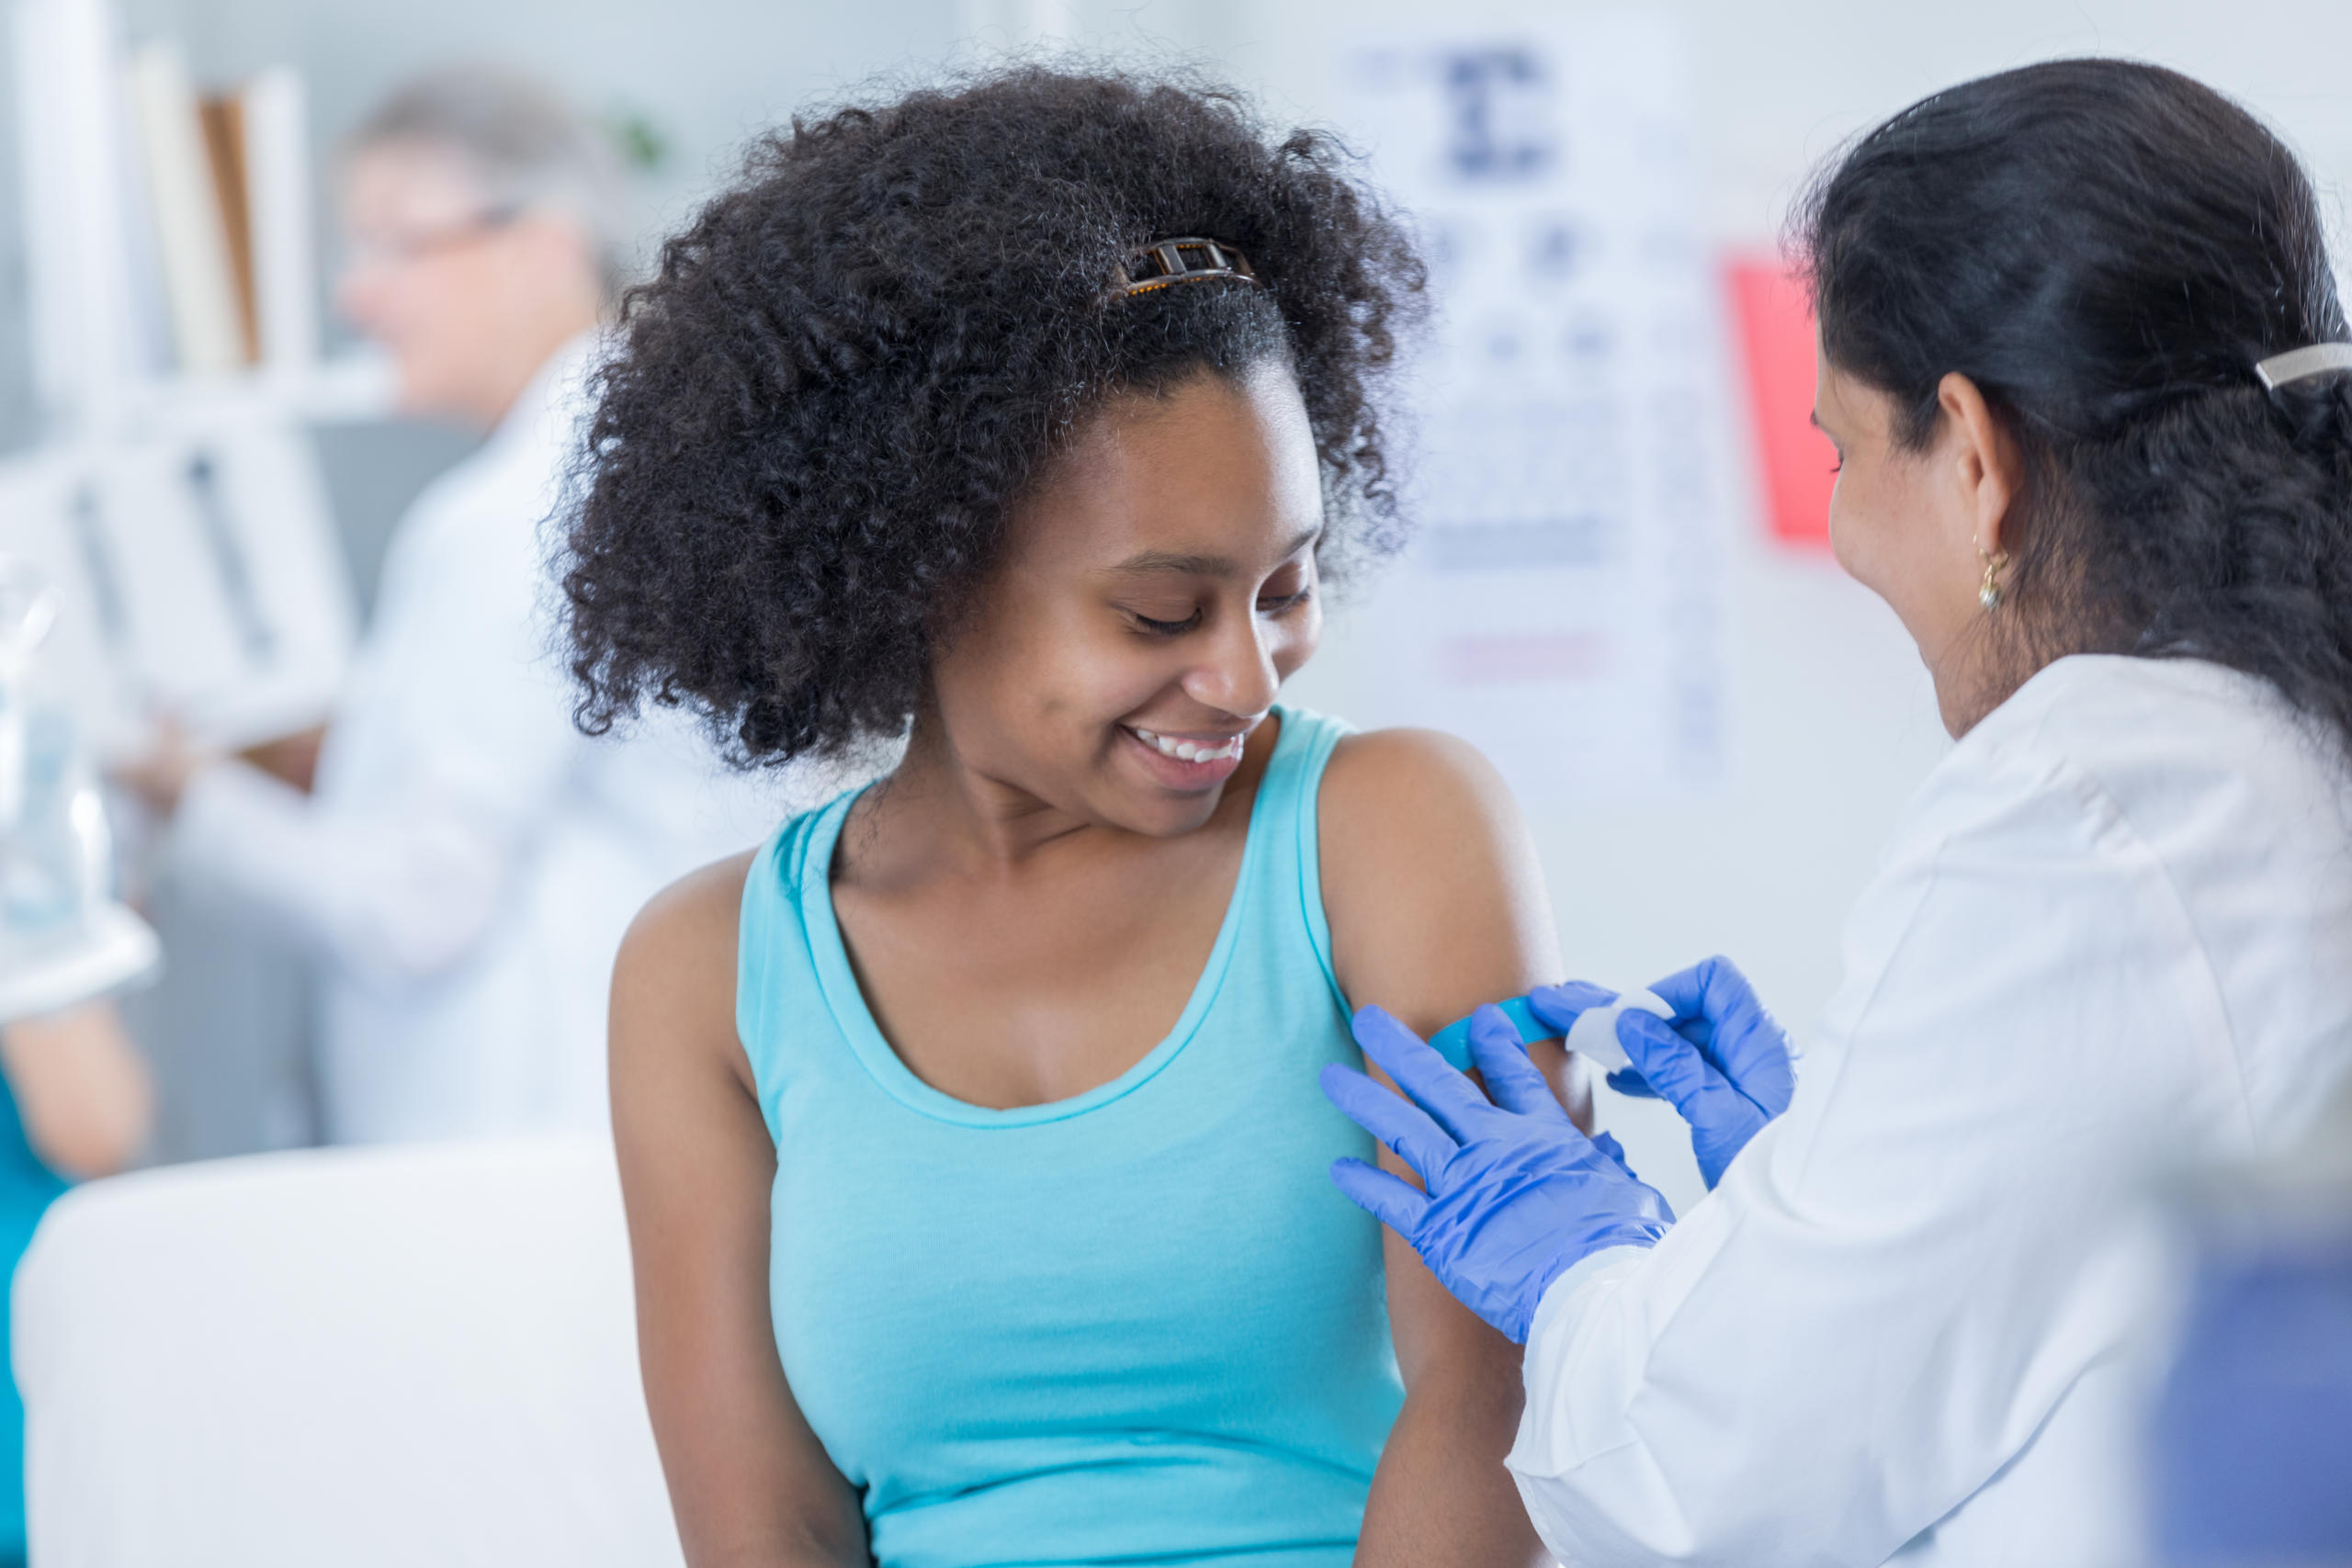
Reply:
x=174, y=499
x=172, y=503
x=170, y=231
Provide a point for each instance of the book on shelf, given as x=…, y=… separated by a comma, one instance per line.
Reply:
x=222, y=116
x=227, y=181
x=184, y=198
x=276, y=122
x=169, y=227
x=177, y=504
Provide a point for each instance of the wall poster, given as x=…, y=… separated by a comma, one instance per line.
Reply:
x=1560, y=605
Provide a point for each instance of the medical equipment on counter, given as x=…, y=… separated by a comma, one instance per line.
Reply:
x=1592, y=1034
x=64, y=937
x=1515, y=1195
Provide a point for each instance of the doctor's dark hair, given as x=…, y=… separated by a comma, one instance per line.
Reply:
x=853, y=363
x=2105, y=249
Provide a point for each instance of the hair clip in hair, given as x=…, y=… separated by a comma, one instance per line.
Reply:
x=2302, y=364
x=1188, y=259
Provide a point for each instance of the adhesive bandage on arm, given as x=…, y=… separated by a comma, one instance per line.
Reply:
x=1593, y=1036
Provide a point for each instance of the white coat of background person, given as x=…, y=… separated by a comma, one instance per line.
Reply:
x=462, y=859
x=2089, y=379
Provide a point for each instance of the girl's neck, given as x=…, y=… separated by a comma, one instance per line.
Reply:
x=938, y=809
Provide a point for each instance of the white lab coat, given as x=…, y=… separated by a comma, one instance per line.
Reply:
x=2112, y=939
x=469, y=861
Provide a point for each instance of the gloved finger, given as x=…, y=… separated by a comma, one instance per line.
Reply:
x=1685, y=990
x=1760, y=1065
x=1631, y=1084
x=1415, y=1139
x=1615, y=1151
x=1512, y=1081
x=1672, y=1066
x=1451, y=1099
x=1386, y=1198
x=1753, y=1050
x=1560, y=1006
x=1713, y=989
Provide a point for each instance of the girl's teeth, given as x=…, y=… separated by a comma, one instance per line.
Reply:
x=1187, y=750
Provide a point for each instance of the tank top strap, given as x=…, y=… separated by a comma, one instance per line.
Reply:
x=1290, y=867
x=774, y=963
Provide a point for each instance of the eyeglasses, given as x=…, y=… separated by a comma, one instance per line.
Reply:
x=401, y=250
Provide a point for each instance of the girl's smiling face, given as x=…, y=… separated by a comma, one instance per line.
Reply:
x=1154, y=592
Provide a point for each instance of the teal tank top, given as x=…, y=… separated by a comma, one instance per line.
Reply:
x=1139, y=1326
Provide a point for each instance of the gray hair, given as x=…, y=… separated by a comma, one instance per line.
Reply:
x=522, y=142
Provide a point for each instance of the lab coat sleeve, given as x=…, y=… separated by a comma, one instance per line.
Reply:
x=390, y=896
x=1899, y=1280
x=465, y=704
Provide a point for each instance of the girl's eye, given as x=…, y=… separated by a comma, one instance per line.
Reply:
x=1270, y=604
x=1166, y=628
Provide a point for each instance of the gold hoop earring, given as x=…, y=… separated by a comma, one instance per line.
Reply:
x=1989, y=595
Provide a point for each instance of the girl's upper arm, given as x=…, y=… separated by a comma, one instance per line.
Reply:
x=1436, y=905
x=748, y=1479
x=1430, y=880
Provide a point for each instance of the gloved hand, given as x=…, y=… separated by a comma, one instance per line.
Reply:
x=1516, y=1194
x=1723, y=1061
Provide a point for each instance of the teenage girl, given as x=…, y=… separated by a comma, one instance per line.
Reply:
x=970, y=1128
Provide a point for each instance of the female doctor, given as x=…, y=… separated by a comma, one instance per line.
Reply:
x=2086, y=371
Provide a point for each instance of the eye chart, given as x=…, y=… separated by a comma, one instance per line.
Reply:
x=1560, y=605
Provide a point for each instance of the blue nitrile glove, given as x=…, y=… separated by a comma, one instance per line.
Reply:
x=1516, y=1194
x=1723, y=1061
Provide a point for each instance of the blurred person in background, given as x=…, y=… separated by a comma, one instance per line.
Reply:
x=462, y=858
x=75, y=1103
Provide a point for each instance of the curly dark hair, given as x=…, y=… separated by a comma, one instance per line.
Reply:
x=2107, y=249
x=852, y=363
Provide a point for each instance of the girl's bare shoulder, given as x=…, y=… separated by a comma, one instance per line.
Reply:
x=674, y=975
x=1383, y=780
x=1430, y=878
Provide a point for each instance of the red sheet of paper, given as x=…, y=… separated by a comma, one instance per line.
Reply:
x=1775, y=315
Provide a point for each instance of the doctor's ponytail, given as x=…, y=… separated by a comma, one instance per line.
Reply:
x=2106, y=250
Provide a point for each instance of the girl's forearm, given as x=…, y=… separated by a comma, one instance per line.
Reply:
x=1441, y=1497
